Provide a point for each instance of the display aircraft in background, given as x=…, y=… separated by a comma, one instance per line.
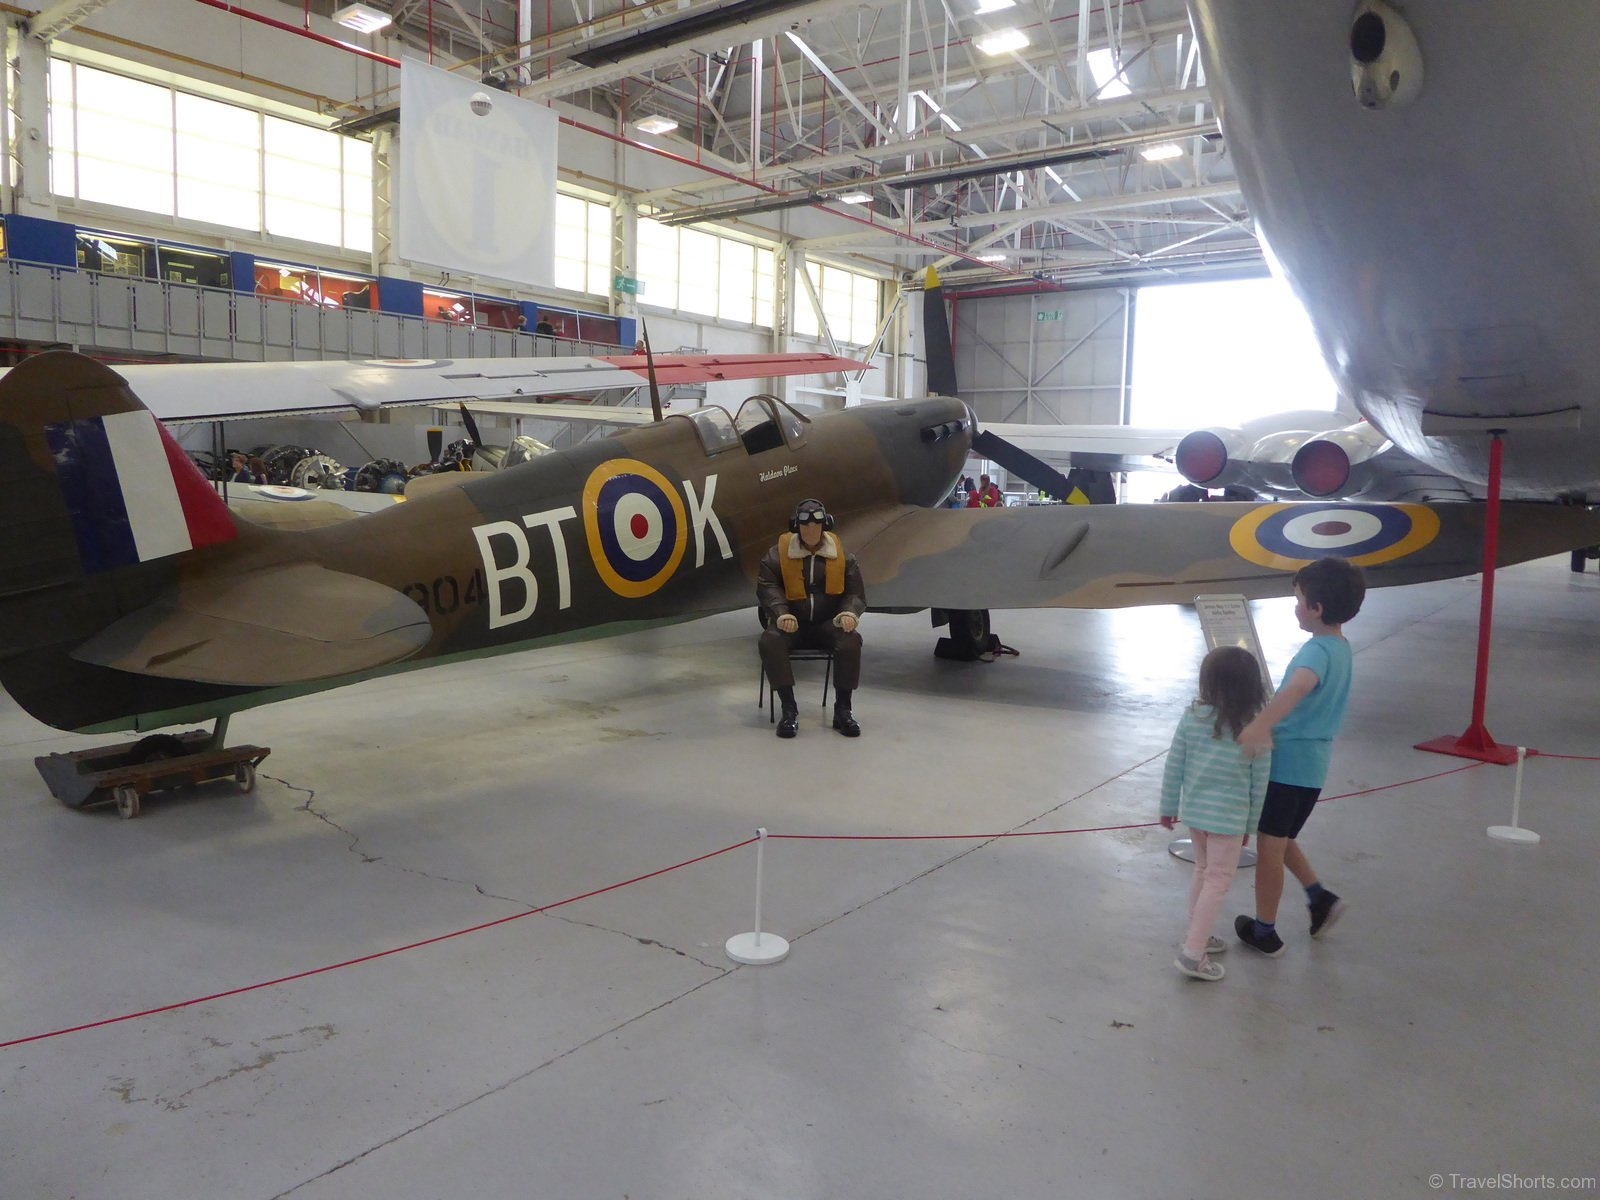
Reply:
x=131, y=598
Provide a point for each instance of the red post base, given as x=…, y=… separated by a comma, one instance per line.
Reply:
x=1474, y=743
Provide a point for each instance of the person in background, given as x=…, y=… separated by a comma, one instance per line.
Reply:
x=545, y=328
x=812, y=597
x=239, y=468
x=987, y=496
x=1214, y=788
x=1298, y=726
x=258, y=470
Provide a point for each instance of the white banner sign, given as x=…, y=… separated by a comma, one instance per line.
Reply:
x=476, y=187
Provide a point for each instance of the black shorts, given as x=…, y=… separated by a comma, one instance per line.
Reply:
x=1287, y=808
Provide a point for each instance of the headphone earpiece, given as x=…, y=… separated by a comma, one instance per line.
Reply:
x=794, y=523
x=827, y=522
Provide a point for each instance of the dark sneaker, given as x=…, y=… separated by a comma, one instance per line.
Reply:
x=1326, y=910
x=1199, y=968
x=1269, y=944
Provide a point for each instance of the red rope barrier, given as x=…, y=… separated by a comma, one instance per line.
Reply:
x=798, y=837
x=366, y=958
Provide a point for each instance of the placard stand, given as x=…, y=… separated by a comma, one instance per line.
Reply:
x=1514, y=832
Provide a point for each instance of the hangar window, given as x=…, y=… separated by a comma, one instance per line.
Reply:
x=146, y=146
x=848, y=299
x=583, y=245
x=705, y=273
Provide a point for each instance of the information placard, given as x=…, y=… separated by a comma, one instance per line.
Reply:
x=1226, y=621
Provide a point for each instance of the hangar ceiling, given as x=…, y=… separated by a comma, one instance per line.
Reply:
x=927, y=146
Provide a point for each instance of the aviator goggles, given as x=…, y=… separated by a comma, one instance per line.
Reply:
x=809, y=515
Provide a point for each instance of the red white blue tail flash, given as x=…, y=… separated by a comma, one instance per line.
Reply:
x=131, y=493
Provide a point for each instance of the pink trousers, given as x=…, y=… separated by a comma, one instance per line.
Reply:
x=1216, y=861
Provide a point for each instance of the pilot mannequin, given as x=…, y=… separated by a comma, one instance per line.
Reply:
x=811, y=597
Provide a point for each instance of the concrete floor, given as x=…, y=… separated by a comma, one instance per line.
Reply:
x=960, y=1015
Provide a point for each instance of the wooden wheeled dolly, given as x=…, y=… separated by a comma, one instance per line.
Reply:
x=125, y=774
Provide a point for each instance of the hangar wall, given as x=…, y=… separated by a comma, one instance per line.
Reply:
x=1046, y=358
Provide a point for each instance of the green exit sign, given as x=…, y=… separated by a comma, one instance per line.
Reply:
x=627, y=286
x=1053, y=315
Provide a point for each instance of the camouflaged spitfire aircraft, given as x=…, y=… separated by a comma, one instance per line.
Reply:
x=132, y=598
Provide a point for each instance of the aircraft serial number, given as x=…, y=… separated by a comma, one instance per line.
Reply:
x=447, y=594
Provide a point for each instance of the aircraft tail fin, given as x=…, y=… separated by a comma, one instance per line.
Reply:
x=89, y=479
x=95, y=499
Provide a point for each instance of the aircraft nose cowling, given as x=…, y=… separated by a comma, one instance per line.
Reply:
x=1321, y=468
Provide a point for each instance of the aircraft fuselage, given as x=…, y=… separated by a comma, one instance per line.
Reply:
x=1444, y=245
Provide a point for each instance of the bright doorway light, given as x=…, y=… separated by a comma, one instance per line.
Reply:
x=656, y=125
x=1162, y=152
x=1224, y=353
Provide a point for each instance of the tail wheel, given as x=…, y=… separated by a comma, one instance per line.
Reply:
x=245, y=776
x=127, y=802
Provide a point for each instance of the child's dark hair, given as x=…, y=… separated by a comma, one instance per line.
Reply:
x=1230, y=682
x=1335, y=583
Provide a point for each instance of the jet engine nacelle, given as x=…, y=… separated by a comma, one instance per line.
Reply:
x=1339, y=463
x=1216, y=458
x=1385, y=60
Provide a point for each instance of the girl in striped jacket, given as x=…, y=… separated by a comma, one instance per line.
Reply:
x=1214, y=789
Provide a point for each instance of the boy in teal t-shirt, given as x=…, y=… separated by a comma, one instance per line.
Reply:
x=1298, y=725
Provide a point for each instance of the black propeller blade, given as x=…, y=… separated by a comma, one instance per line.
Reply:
x=472, y=426
x=1022, y=464
x=936, y=338
x=435, y=443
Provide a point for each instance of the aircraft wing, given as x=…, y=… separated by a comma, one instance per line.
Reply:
x=177, y=392
x=1094, y=447
x=595, y=414
x=1115, y=556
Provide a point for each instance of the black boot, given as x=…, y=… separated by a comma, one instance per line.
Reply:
x=842, y=720
x=789, y=714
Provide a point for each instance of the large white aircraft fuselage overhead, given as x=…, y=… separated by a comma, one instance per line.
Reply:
x=1427, y=181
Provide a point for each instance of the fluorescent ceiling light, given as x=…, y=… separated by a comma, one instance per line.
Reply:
x=656, y=125
x=989, y=6
x=1107, y=79
x=991, y=258
x=1162, y=152
x=1005, y=39
x=361, y=18
x=855, y=197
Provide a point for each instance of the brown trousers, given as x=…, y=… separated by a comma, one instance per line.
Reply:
x=821, y=635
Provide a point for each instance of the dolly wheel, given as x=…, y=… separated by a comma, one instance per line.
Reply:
x=245, y=776
x=127, y=803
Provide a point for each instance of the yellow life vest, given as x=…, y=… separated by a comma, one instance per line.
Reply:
x=794, y=580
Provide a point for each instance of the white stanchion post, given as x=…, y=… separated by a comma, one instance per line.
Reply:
x=1514, y=832
x=756, y=948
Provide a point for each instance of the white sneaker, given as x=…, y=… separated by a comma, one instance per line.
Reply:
x=1215, y=945
x=1201, y=968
